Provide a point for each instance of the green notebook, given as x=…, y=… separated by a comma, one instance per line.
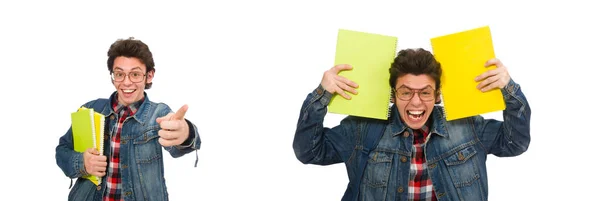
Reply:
x=371, y=56
x=88, y=132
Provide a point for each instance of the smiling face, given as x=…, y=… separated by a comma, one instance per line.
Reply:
x=130, y=89
x=414, y=111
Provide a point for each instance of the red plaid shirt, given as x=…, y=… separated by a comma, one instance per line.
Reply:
x=419, y=185
x=113, y=180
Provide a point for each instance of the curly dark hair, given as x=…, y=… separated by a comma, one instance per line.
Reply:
x=416, y=62
x=131, y=48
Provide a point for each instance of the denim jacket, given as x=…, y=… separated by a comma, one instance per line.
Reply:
x=455, y=153
x=141, y=162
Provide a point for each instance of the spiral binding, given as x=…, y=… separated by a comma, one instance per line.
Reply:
x=93, y=126
x=101, y=133
x=390, y=104
x=101, y=148
x=391, y=95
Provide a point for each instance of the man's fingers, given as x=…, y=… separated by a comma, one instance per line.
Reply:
x=181, y=112
x=341, y=67
x=99, y=165
x=168, y=135
x=482, y=76
x=341, y=92
x=488, y=81
x=165, y=118
x=490, y=86
x=98, y=172
x=167, y=143
x=170, y=125
x=346, y=81
x=487, y=74
x=346, y=87
x=159, y=120
x=101, y=174
x=92, y=151
x=98, y=159
x=101, y=158
x=493, y=62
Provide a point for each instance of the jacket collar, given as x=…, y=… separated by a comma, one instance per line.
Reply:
x=141, y=114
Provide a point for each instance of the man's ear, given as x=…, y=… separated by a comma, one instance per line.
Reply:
x=438, y=98
x=149, y=77
x=111, y=78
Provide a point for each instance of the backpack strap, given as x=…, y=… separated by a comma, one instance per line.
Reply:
x=374, y=133
x=99, y=104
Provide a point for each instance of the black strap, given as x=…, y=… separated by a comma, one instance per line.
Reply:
x=373, y=135
x=196, y=164
x=99, y=104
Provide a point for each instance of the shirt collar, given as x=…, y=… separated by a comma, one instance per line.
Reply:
x=118, y=107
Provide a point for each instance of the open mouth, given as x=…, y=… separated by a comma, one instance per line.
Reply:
x=128, y=91
x=415, y=114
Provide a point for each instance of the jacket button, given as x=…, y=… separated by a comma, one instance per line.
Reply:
x=128, y=193
x=98, y=187
x=112, y=117
x=400, y=189
x=461, y=156
x=319, y=91
x=124, y=166
x=403, y=159
x=405, y=134
x=431, y=166
x=123, y=141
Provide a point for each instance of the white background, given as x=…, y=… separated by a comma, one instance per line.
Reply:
x=244, y=68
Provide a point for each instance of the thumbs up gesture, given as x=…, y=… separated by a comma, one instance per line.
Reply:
x=174, y=129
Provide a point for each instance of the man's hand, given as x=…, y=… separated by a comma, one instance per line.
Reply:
x=495, y=78
x=333, y=83
x=94, y=163
x=174, y=129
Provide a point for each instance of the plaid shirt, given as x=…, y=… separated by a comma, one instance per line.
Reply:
x=113, y=180
x=419, y=185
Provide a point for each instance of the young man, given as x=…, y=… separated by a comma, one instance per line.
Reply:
x=420, y=155
x=131, y=166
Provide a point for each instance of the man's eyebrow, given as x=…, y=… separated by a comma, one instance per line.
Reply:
x=135, y=68
x=428, y=86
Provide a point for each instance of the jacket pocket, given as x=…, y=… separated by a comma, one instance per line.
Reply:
x=376, y=176
x=147, y=148
x=462, y=167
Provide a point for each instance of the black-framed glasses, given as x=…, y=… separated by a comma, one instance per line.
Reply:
x=404, y=93
x=134, y=76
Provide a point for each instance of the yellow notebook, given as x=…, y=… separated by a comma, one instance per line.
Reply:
x=463, y=56
x=88, y=132
x=371, y=56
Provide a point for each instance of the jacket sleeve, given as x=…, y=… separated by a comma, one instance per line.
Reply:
x=511, y=136
x=192, y=143
x=315, y=144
